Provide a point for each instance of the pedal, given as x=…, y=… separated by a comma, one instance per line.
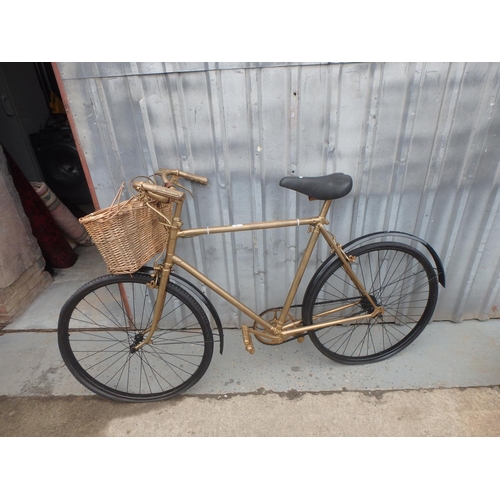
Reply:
x=247, y=339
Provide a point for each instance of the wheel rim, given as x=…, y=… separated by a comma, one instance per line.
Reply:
x=399, y=279
x=111, y=319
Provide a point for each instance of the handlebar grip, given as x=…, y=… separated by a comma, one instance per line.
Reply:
x=159, y=193
x=191, y=177
x=196, y=178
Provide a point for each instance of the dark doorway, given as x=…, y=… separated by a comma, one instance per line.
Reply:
x=35, y=130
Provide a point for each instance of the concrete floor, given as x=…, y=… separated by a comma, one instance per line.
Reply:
x=446, y=383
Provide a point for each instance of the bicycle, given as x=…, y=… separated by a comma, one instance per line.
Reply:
x=145, y=336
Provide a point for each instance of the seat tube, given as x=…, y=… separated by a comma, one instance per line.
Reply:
x=316, y=229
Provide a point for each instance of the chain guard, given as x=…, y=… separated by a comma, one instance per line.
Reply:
x=275, y=310
x=274, y=313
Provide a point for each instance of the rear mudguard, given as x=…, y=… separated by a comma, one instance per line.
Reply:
x=380, y=234
x=184, y=283
x=362, y=240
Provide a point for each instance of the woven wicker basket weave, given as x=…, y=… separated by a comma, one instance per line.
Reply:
x=129, y=233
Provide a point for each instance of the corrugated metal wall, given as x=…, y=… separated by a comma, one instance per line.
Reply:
x=419, y=139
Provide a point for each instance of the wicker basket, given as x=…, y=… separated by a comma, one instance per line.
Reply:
x=128, y=234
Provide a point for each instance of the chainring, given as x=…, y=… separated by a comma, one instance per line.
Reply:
x=273, y=320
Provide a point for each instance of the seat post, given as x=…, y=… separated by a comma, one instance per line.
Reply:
x=325, y=208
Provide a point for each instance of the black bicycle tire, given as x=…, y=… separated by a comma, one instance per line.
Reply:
x=97, y=387
x=315, y=288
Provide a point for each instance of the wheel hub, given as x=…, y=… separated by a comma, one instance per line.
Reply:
x=366, y=305
x=138, y=338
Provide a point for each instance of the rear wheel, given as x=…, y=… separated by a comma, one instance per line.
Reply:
x=398, y=277
x=102, y=322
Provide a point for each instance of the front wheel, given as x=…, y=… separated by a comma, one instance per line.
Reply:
x=102, y=322
x=398, y=277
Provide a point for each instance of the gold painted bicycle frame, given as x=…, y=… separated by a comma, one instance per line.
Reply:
x=274, y=331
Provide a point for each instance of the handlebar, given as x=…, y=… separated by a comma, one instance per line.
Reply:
x=178, y=173
x=159, y=193
x=164, y=194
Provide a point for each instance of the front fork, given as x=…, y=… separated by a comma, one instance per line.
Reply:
x=160, y=301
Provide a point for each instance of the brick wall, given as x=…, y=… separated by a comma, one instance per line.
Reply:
x=16, y=297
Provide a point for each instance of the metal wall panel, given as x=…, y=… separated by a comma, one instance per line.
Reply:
x=419, y=139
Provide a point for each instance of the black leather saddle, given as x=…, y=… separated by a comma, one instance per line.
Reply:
x=326, y=187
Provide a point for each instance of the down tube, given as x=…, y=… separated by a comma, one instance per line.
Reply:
x=223, y=293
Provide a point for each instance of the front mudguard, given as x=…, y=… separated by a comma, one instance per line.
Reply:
x=189, y=287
